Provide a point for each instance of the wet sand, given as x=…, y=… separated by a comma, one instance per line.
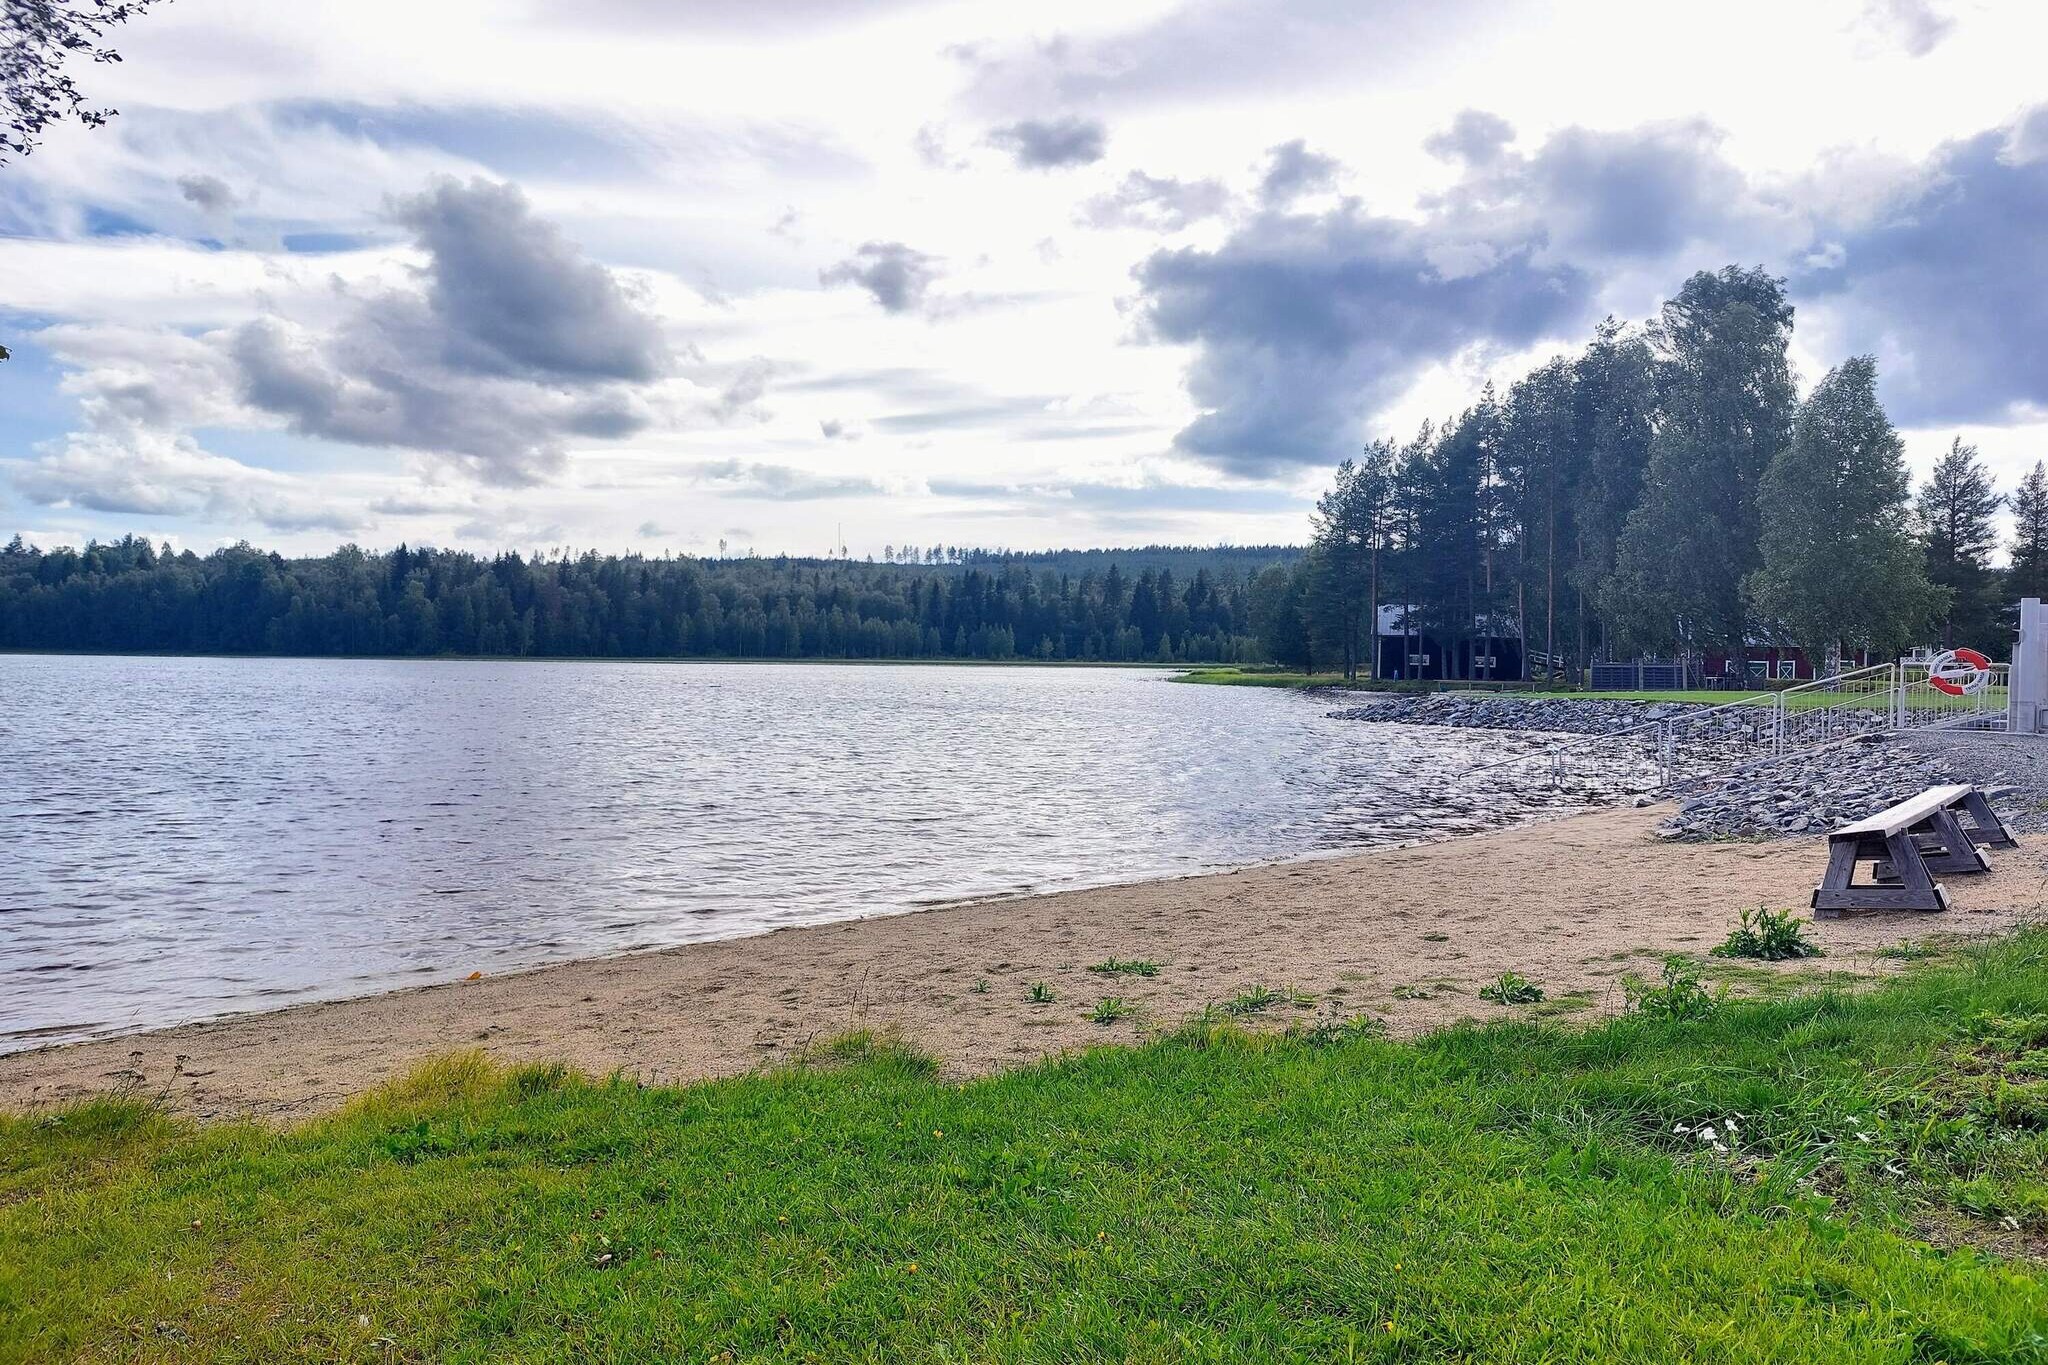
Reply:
x=1407, y=935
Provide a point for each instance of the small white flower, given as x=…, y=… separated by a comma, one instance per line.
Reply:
x=1680, y=1128
x=1730, y=1126
x=1863, y=1137
x=1707, y=1133
x=1721, y=1149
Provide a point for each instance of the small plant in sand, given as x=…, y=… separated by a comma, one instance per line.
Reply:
x=1329, y=1029
x=1040, y=994
x=1678, y=994
x=1768, y=935
x=1511, y=988
x=980, y=986
x=1111, y=1008
x=1126, y=966
x=1257, y=999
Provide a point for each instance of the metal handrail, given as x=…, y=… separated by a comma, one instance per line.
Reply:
x=1663, y=727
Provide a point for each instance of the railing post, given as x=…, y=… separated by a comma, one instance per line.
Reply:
x=1898, y=696
x=1664, y=753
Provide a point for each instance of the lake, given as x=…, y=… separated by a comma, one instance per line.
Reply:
x=182, y=838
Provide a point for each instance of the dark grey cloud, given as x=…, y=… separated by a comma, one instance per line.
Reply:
x=897, y=276
x=1918, y=26
x=1305, y=326
x=1641, y=192
x=1043, y=144
x=1948, y=285
x=517, y=297
x=1475, y=137
x=1291, y=170
x=515, y=344
x=209, y=193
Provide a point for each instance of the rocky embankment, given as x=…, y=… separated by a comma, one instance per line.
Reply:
x=1807, y=791
x=1484, y=711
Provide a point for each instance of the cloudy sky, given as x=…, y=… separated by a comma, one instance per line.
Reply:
x=628, y=274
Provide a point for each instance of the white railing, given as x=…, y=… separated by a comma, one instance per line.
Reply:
x=1649, y=757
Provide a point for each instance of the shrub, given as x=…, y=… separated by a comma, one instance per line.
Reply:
x=1126, y=966
x=1769, y=935
x=1040, y=993
x=1678, y=996
x=1511, y=988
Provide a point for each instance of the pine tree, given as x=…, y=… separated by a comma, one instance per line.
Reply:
x=2028, y=574
x=1955, y=510
x=1840, y=564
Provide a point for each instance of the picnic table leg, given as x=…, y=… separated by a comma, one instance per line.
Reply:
x=1835, y=882
x=1985, y=826
x=1954, y=851
x=1917, y=890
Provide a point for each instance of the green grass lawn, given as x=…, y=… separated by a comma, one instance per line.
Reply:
x=1225, y=676
x=1517, y=1192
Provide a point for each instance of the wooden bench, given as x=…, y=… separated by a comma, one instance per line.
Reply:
x=1909, y=842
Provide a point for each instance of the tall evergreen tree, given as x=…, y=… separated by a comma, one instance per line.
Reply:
x=1541, y=451
x=1726, y=396
x=2028, y=574
x=1956, y=510
x=1840, y=564
x=1615, y=387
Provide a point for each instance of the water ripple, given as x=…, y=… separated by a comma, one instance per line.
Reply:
x=192, y=837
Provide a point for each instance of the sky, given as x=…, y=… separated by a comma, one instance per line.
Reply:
x=790, y=275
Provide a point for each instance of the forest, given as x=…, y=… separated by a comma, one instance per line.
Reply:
x=1663, y=492
x=1157, y=604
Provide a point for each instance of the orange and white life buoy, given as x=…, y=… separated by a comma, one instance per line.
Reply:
x=1958, y=672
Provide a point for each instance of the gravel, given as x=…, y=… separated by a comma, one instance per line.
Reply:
x=1485, y=711
x=1804, y=792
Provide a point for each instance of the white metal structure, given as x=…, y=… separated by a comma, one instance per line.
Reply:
x=1907, y=695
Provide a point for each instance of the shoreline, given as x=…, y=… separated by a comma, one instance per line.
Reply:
x=1405, y=934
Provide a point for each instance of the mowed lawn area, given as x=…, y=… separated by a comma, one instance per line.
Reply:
x=1831, y=1177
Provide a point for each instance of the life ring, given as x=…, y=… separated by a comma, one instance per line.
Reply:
x=1958, y=672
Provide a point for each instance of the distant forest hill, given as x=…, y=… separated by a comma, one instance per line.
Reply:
x=1165, y=604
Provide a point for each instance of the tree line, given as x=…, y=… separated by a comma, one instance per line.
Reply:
x=1168, y=605
x=1662, y=492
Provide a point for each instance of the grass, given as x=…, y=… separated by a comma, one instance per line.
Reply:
x=1126, y=966
x=1515, y=1191
x=1258, y=677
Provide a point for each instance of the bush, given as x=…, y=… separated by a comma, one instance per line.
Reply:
x=1770, y=935
x=1511, y=988
x=1678, y=996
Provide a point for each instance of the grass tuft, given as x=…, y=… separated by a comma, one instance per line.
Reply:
x=1111, y=1008
x=1126, y=966
x=1511, y=988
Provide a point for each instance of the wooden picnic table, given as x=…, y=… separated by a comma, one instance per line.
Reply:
x=1910, y=843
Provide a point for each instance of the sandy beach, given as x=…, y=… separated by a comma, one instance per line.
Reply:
x=1407, y=935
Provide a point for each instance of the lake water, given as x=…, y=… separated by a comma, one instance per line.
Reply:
x=183, y=838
